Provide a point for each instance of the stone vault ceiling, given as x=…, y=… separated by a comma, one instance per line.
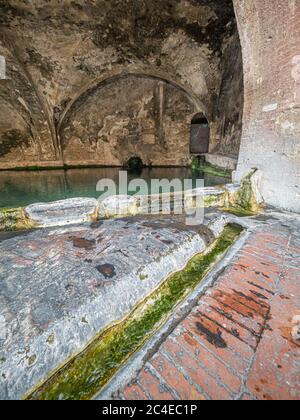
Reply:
x=56, y=51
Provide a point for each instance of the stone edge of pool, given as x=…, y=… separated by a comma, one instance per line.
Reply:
x=238, y=197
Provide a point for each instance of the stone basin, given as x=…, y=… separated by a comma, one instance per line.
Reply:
x=64, y=212
x=68, y=284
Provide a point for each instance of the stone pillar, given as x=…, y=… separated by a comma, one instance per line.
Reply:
x=270, y=38
x=160, y=103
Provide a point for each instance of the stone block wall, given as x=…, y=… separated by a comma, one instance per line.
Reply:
x=270, y=38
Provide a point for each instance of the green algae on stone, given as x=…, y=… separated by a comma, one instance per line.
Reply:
x=244, y=201
x=32, y=359
x=239, y=212
x=246, y=198
x=14, y=219
x=32, y=168
x=51, y=339
x=214, y=200
x=84, y=375
x=202, y=166
x=144, y=277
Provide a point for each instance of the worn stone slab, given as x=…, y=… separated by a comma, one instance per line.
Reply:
x=64, y=212
x=60, y=287
x=118, y=205
x=206, y=197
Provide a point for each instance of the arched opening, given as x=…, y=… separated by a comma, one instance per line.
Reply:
x=126, y=116
x=200, y=135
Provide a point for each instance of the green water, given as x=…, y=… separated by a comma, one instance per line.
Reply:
x=19, y=189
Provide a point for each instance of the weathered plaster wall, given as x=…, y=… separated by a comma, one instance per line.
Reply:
x=25, y=135
x=129, y=116
x=228, y=114
x=270, y=41
x=62, y=50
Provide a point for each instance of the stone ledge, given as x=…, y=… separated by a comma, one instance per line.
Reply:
x=118, y=205
x=222, y=161
x=61, y=213
x=80, y=210
x=244, y=196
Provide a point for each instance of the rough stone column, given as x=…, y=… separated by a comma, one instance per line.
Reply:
x=270, y=38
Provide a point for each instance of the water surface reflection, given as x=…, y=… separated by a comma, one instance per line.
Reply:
x=24, y=187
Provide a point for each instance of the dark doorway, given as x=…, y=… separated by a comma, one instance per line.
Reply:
x=200, y=134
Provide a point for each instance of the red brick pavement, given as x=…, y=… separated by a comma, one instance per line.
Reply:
x=237, y=342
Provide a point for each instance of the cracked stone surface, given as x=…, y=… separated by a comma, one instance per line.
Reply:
x=60, y=287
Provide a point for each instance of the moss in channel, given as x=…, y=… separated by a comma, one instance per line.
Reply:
x=83, y=376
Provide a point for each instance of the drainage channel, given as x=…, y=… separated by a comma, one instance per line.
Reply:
x=87, y=373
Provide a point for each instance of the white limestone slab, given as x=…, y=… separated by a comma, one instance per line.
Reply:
x=64, y=212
